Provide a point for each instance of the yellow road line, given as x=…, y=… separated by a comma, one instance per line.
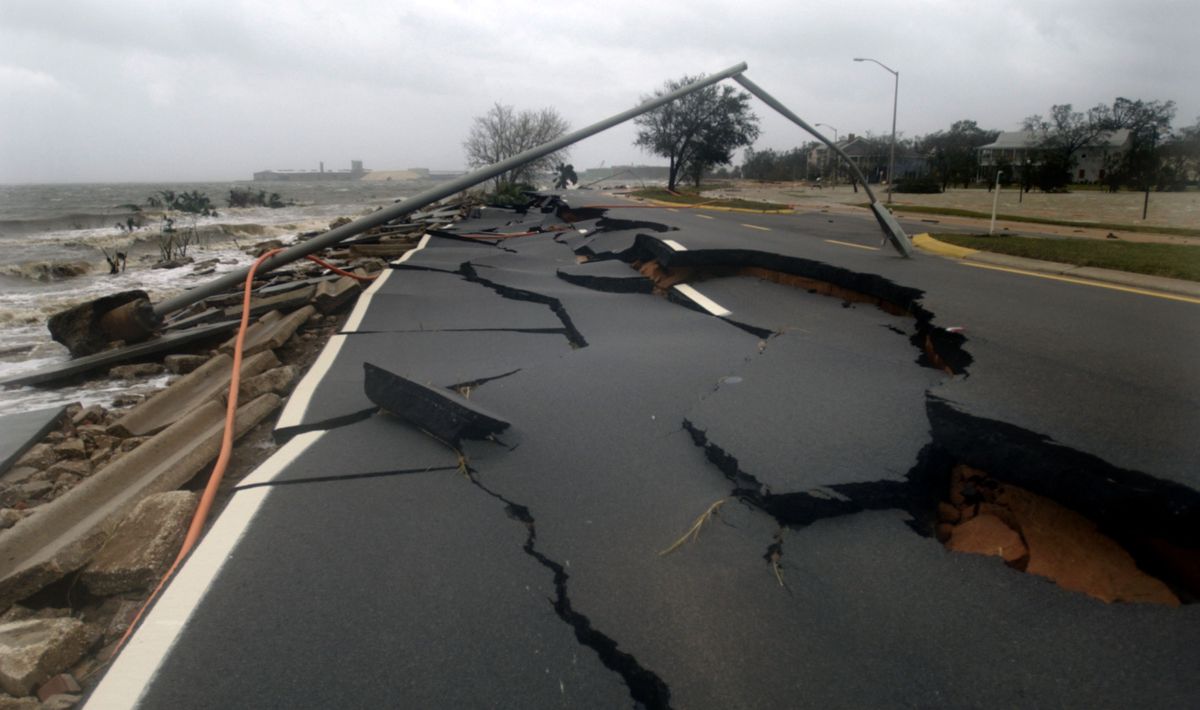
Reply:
x=1086, y=282
x=755, y=226
x=849, y=244
x=703, y=216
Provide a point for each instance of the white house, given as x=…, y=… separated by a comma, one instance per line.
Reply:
x=1018, y=148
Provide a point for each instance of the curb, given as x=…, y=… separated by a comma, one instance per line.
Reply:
x=1189, y=290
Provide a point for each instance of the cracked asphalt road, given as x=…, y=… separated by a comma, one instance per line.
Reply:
x=378, y=567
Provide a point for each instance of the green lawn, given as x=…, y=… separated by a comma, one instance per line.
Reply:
x=1177, y=261
x=691, y=198
x=955, y=212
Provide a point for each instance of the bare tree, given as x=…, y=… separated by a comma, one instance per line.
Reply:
x=502, y=133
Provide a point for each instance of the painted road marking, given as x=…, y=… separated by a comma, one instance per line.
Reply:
x=297, y=404
x=755, y=226
x=675, y=246
x=703, y=216
x=414, y=250
x=364, y=301
x=141, y=658
x=850, y=244
x=703, y=301
x=672, y=209
x=1086, y=282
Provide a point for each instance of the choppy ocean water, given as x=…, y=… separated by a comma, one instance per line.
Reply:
x=49, y=230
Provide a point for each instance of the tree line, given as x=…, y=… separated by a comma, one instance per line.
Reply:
x=699, y=134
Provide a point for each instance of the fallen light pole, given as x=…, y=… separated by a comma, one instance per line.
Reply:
x=434, y=194
x=137, y=319
x=891, y=228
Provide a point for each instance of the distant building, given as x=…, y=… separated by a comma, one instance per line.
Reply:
x=356, y=172
x=1020, y=148
x=871, y=155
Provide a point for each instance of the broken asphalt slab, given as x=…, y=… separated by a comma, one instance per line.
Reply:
x=332, y=391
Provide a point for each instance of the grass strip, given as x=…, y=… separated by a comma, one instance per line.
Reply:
x=691, y=198
x=1176, y=261
x=1112, y=226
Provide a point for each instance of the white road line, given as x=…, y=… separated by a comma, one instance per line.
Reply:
x=851, y=244
x=676, y=246
x=672, y=209
x=364, y=301
x=297, y=404
x=755, y=226
x=131, y=673
x=414, y=250
x=703, y=216
x=703, y=301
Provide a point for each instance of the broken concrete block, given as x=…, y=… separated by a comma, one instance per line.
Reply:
x=270, y=335
x=447, y=416
x=62, y=701
x=39, y=456
x=333, y=295
x=61, y=684
x=32, y=651
x=65, y=533
x=88, y=415
x=139, y=370
x=189, y=392
x=181, y=364
x=34, y=489
x=71, y=449
x=7, y=703
x=143, y=546
x=10, y=517
x=18, y=474
x=80, y=467
x=278, y=381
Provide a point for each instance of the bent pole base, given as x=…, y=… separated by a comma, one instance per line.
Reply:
x=891, y=228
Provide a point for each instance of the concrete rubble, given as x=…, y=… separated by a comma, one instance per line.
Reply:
x=34, y=650
x=90, y=497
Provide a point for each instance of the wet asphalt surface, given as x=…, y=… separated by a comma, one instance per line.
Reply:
x=388, y=569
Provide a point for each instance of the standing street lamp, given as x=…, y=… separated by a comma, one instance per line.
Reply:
x=831, y=158
x=895, y=102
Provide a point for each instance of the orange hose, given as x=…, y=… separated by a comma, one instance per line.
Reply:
x=336, y=270
x=218, y=472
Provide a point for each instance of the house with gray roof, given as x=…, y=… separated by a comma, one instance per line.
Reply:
x=1019, y=148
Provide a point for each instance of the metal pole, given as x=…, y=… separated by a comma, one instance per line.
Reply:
x=995, y=202
x=895, y=104
x=892, y=160
x=887, y=222
x=416, y=202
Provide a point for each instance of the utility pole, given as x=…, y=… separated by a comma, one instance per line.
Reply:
x=895, y=104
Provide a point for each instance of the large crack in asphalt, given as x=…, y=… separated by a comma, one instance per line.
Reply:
x=646, y=688
x=390, y=473
x=1156, y=521
x=572, y=334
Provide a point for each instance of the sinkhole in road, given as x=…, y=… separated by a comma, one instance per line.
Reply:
x=1034, y=534
x=938, y=347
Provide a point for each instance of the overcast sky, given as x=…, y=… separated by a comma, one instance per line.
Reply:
x=163, y=90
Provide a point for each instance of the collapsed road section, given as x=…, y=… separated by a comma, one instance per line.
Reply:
x=744, y=493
